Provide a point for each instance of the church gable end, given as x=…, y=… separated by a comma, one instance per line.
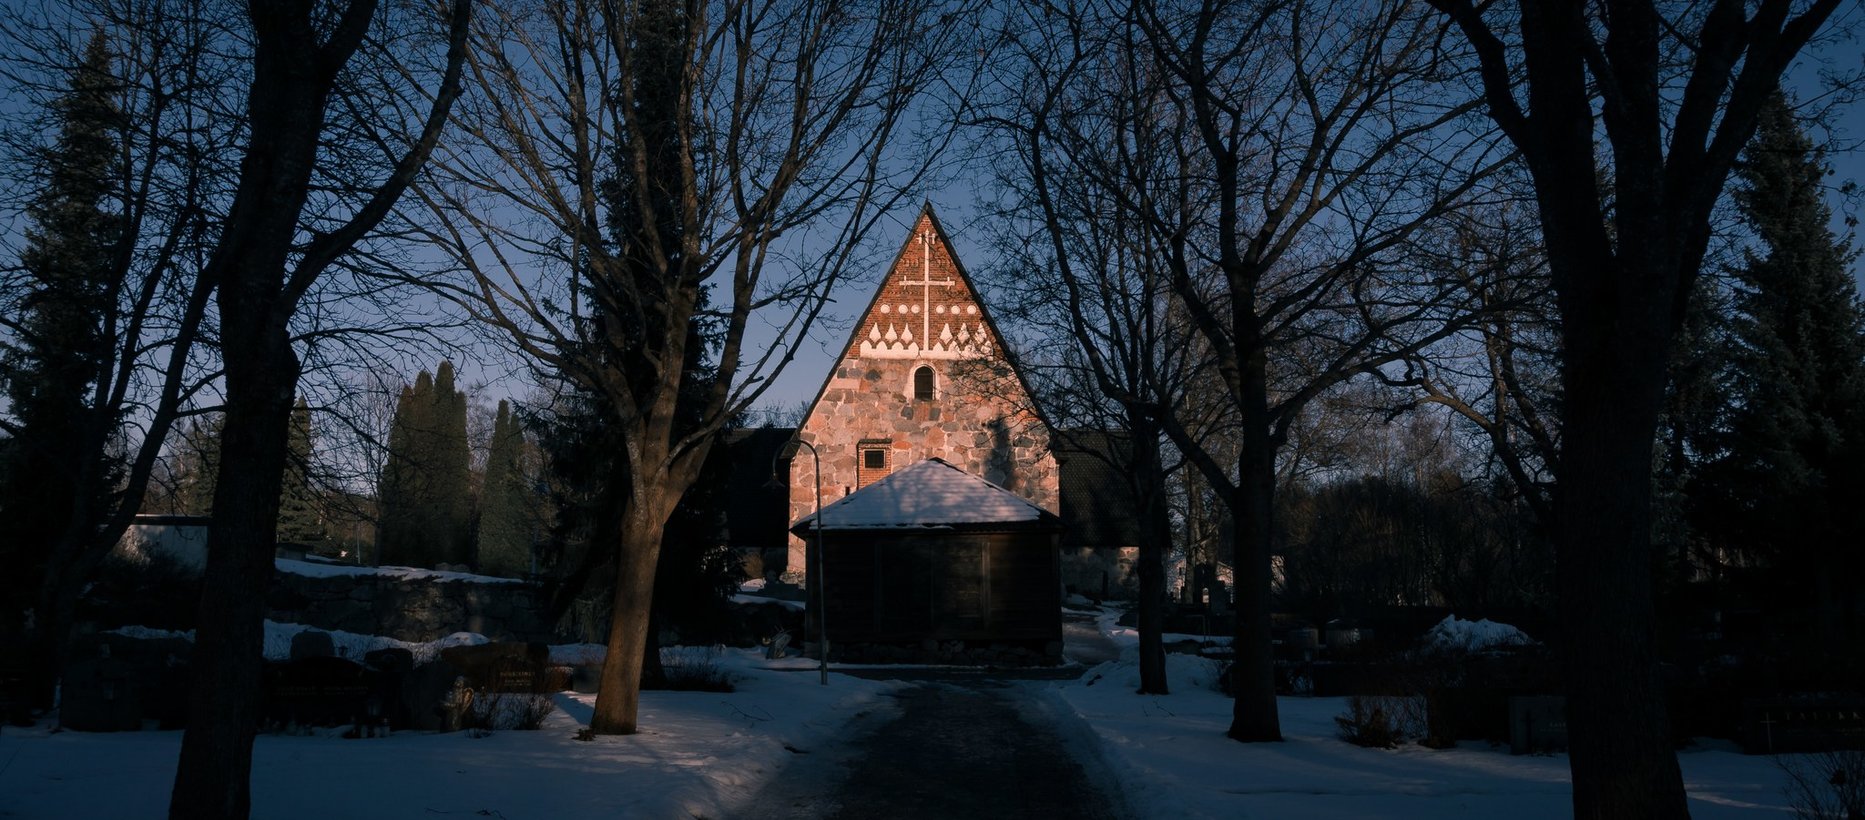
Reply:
x=920, y=378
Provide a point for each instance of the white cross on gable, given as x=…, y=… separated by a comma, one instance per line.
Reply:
x=926, y=282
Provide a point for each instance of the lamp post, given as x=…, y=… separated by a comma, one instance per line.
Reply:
x=822, y=598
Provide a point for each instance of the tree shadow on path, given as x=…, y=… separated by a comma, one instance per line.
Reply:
x=952, y=752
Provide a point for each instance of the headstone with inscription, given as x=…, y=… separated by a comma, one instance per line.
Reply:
x=502, y=667
x=1807, y=724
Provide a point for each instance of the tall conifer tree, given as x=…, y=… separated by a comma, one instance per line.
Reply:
x=396, y=524
x=450, y=471
x=300, y=520
x=1785, y=487
x=62, y=344
x=425, y=484
x=505, y=532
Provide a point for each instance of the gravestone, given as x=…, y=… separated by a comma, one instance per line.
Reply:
x=99, y=694
x=1537, y=724
x=316, y=692
x=426, y=692
x=312, y=643
x=585, y=679
x=503, y=667
x=1812, y=724
x=394, y=670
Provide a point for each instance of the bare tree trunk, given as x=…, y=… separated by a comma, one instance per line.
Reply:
x=618, y=698
x=1622, y=756
x=214, y=776
x=296, y=62
x=286, y=106
x=1253, y=672
x=1155, y=538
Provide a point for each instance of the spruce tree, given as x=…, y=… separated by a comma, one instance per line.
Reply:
x=1786, y=486
x=504, y=538
x=300, y=519
x=60, y=341
x=424, y=491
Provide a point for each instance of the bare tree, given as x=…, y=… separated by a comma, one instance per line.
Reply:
x=634, y=180
x=1280, y=158
x=1108, y=353
x=283, y=231
x=1628, y=118
x=1500, y=375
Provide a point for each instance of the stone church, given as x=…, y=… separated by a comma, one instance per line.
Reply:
x=923, y=376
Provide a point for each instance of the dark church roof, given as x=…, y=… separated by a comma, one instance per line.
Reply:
x=931, y=494
x=1097, y=501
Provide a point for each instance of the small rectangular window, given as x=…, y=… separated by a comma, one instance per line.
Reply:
x=871, y=460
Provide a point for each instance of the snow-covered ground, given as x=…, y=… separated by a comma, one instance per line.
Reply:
x=1171, y=759
x=323, y=569
x=706, y=754
x=700, y=754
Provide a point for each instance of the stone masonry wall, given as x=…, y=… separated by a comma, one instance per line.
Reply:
x=978, y=420
x=409, y=609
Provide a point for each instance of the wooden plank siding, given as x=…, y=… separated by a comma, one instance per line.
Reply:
x=911, y=587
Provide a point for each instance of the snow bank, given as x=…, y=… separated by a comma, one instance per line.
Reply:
x=1453, y=635
x=318, y=569
x=350, y=645
x=699, y=754
x=1169, y=755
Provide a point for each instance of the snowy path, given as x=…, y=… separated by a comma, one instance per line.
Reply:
x=970, y=743
x=944, y=751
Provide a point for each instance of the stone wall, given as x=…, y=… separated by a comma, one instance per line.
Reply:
x=978, y=419
x=409, y=609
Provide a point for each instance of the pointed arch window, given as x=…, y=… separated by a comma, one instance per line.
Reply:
x=925, y=387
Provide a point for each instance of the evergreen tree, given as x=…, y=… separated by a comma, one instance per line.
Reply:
x=450, y=472
x=1786, y=484
x=61, y=340
x=300, y=517
x=424, y=491
x=197, y=465
x=396, y=526
x=505, y=531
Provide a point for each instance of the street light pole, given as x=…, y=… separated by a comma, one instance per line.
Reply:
x=822, y=584
x=821, y=596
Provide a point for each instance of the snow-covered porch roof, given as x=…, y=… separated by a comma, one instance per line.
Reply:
x=931, y=494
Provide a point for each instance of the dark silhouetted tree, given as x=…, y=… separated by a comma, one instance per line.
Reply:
x=1628, y=115
x=300, y=513
x=506, y=526
x=57, y=468
x=301, y=204
x=424, y=492
x=61, y=349
x=1786, y=484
